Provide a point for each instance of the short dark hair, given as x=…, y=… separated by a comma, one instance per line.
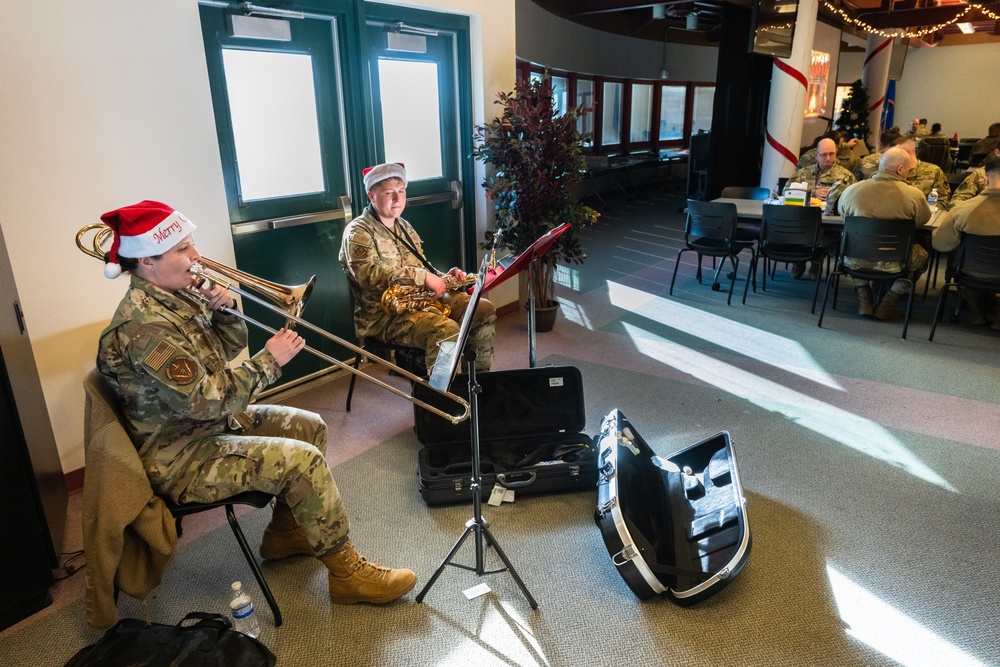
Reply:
x=923, y=121
x=888, y=138
x=936, y=127
x=995, y=129
x=130, y=264
x=992, y=164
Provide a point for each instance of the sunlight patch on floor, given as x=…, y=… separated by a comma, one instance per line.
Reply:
x=891, y=632
x=567, y=277
x=774, y=350
x=858, y=433
x=575, y=313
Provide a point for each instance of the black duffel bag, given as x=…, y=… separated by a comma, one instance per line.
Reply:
x=211, y=642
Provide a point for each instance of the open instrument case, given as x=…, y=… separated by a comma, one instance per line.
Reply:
x=530, y=439
x=674, y=525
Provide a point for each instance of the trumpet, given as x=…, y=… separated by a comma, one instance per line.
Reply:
x=398, y=299
x=288, y=301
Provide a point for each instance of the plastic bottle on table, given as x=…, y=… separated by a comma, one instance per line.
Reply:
x=241, y=606
x=932, y=198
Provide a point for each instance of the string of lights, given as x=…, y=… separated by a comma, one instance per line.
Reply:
x=902, y=32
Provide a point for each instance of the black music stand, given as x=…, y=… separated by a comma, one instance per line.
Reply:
x=477, y=525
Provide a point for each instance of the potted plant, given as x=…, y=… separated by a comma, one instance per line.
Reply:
x=536, y=162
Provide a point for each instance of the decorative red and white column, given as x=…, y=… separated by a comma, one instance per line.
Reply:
x=875, y=79
x=787, y=104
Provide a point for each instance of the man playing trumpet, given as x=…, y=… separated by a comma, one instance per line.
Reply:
x=167, y=353
x=381, y=249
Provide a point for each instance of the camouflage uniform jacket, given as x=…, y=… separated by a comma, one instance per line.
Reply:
x=973, y=184
x=868, y=166
x=836, y=178
x=845, y=158
x=168, y=358
x=374, y=257
x=925, y=177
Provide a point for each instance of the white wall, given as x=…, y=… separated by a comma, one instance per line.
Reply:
x=951, y=85
x=549, y=40
x=105, y=103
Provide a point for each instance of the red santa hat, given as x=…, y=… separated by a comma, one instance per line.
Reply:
x=146, y=229
x=381, y=172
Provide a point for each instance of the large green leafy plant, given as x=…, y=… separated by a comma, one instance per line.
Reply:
x=537, y=164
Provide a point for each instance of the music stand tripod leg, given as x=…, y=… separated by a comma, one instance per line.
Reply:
x=477, y=525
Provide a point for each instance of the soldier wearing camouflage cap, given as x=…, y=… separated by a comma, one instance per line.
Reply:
x=381, y=249
x=167, y=353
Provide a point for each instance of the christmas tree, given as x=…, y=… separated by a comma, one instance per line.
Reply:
x=853, y=117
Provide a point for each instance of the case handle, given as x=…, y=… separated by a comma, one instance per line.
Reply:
x=504, y=479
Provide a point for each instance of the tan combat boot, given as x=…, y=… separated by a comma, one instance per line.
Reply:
x=865, y=301
x=354, y=579
x=283, y=537
x=887, y=310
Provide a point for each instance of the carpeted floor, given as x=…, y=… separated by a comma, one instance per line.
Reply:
x=869, y=464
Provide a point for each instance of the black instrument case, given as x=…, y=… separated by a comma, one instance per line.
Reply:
x=675, y=525
x=530, y=440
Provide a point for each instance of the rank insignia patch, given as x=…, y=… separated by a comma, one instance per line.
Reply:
x=181, y=370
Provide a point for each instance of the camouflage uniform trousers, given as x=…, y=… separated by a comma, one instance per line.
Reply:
x=427, y=329
x=283, y=454
x=918, y=262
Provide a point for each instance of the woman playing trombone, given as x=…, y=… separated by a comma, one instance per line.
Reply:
x=167, y=353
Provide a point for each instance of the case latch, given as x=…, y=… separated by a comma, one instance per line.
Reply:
x=626, y=554
x=458, y=486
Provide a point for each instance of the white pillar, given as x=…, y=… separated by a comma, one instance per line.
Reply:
x=875, y=78
x=787, y=105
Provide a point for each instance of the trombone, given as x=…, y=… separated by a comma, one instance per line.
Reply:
x=291, y=300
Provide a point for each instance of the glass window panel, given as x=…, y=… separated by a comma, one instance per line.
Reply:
x=585, y=98
x=642, y=110
x=272, y=101
x=701, y=115
x=560, y=93
x=672, y=112
x=611, y=115
x=411, y=126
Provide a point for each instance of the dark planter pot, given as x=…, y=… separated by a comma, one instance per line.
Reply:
x=545, y=317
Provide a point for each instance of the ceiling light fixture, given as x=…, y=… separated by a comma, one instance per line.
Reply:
x=966, y=27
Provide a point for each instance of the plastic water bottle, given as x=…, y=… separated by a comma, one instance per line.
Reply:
x=932, y=197
x=241, y=606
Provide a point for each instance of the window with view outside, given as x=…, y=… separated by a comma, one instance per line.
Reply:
x=642, y=112
x=585, y=98
x=410, y=116
x=611, y=114
x=701, y=115
x=560, y=93
x=672, y=112
x=272, y=105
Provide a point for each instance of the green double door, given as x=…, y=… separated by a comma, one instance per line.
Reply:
x=303, y=102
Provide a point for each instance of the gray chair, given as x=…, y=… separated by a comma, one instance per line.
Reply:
x=788, y=234
x=977, y=266
x=710, y=231
x=874, y=240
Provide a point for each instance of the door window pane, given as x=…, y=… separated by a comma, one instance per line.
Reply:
x=701, y=116
x=611, y=115
x=642, y=109
x=410, y=116
x=560, y=93
x=272, y=101
x=585, y=99
x=672, y=112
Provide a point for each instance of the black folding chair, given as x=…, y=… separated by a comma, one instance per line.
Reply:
x=788, y=234
x=710, y=231
x=977, y=266
x=873, y=240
